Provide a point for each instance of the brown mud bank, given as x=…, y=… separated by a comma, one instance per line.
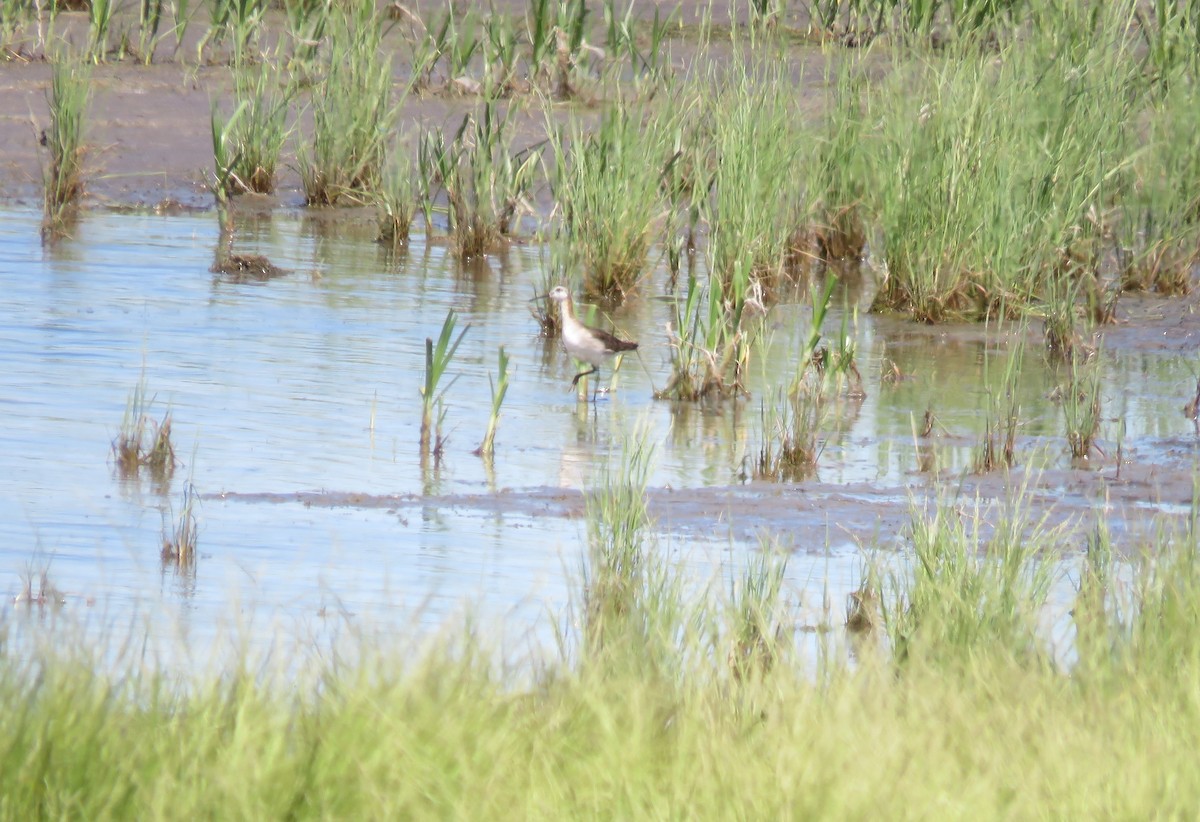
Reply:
x=814, y=516
x=147, y=129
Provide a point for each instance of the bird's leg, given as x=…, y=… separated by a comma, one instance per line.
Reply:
x=582, y=374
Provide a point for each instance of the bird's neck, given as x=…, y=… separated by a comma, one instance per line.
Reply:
x=567, y=309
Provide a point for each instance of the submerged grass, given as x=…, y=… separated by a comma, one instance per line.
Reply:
x=181, y=531
x=1002, y=415
x=792, y=422
x=142, y=441
x=1080, y=396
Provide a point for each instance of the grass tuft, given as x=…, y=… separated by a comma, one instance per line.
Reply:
x=756, y=615
x=142, y=441
x=260, y=131
x=180, y=537
x=62, y=175
x=485, y=182
x=607, y=186
x=1080, y=397
x=352, y=113
x=397, y=199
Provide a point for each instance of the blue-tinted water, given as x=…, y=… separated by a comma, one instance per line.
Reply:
x=310, y=382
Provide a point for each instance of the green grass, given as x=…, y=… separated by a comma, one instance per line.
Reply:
x=977, y=583
x=307, y=23
x=970, y=218
x=1002, y=416
x=1159, y=227
x=397, y=200
x=248, y=142
x=438, y=357
x=15, y=17
x=756, y=615
x=792, y=421
x=690, y=705
x=627, y=603
x=486, y=183
x=261, y=130
x=226, y=155
x=989, y=157
x=239, y=21
x=710, y=342
x=499, y=389
x=100, y=17
x=757, y=198
x=555, y=30
x=992, y=180
x=352, y=113
x=150, y=16
x=606, y=183
x=62, y=174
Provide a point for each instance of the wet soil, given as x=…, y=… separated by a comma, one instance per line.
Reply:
x=810, y=516
x=148, y=126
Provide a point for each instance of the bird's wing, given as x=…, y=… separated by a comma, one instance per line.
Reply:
x=610, y=342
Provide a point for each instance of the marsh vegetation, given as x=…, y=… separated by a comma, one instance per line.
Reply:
x=770, y=176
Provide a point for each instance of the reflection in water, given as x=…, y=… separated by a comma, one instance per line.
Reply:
x=181, y=573
x=311, y=383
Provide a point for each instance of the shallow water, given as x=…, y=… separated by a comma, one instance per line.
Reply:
x=309, y=382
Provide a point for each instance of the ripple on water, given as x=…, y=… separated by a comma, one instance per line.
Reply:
x=310, y=382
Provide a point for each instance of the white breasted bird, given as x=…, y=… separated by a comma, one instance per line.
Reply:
x=591, y=345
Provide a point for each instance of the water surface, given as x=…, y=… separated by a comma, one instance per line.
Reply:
x=309, y=382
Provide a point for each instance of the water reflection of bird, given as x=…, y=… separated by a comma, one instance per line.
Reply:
x=583, y=342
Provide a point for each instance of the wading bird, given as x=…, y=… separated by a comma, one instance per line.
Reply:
x=591, y=345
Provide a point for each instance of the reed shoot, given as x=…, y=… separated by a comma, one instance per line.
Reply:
x=437, y=359
x=1081, y=405
x=1001, y=417
x=226, y=154
x=100, y=16
x=499, y=389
